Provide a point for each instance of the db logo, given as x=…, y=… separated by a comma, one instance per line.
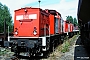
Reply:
x=25, y=16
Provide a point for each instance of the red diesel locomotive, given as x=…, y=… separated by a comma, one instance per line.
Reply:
x=37, y=31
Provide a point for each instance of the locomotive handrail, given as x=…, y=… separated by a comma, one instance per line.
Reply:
x=49, y=30
x=44, y=30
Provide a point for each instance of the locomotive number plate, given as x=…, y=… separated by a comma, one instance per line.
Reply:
x=30, y=16
x=25, y=16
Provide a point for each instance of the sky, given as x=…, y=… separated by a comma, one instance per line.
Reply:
x=65, y=7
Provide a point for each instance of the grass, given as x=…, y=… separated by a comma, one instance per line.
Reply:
x=65, y=47
x=62, y=48
x=67, y=43
x=4, y=51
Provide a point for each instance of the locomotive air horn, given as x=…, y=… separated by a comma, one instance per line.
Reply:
x=39, y=3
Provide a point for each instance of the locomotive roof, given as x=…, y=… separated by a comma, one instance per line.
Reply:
x=28, y=8
x=50, y=11
x=53, y=12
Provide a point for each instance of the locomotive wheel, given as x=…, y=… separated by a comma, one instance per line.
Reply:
x=51, y=48
x=16, y=54
x=46, y=54
x=15, y=49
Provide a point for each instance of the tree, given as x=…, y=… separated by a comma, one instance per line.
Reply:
x=5, y=16
x=72, y=20
x=75, y=22
x=69, y=18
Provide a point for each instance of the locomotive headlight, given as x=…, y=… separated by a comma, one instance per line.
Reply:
x=16, y=33
x=35, y=31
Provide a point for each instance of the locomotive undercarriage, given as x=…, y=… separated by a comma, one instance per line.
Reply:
x=29, y=46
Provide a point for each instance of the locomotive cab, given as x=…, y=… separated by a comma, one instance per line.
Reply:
x=26, y=22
